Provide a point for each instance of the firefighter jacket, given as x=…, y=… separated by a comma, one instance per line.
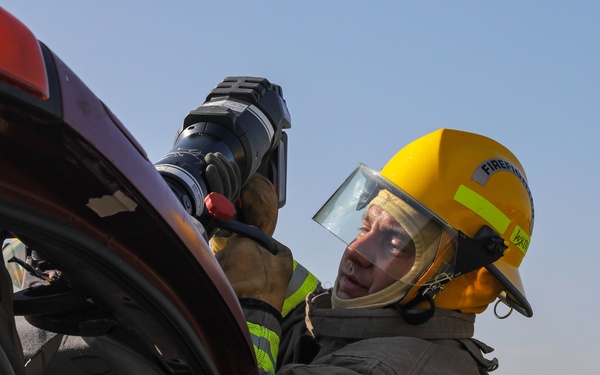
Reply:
x=313, y=338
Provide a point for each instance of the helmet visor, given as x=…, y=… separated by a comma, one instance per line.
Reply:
x=390, y=229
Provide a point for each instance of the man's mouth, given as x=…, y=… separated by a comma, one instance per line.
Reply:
x=350, y=287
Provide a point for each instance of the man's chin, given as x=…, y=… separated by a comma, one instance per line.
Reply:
x=342, y=295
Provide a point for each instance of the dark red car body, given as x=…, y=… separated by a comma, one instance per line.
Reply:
x=77, y=187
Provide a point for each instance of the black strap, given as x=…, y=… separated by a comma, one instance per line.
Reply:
x=421, y=316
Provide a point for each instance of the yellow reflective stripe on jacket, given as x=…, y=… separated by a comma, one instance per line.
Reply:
x=302, y=283
x=266, y=346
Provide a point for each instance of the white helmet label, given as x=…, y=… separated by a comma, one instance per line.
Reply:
x=485, y=170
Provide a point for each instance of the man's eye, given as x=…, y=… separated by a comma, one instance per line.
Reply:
x=400, y=249
x=364, y=229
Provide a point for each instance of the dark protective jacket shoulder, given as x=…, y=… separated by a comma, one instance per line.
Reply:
x=378, y=341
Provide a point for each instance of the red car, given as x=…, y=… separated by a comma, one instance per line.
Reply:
x=138, y=281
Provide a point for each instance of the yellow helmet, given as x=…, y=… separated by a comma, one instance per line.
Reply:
x=471, y=181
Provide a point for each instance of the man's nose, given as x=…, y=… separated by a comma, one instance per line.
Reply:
x=359, y=249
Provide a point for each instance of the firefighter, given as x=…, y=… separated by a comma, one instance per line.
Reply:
x=431, y=240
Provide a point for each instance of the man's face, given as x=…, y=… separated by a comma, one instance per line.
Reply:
x=382, y=241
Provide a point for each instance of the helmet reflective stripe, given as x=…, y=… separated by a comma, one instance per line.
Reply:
x=483, y=208
x=492, y=215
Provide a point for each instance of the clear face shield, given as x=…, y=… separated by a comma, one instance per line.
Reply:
x=390, y=229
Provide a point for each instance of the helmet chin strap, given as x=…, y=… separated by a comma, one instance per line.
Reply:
x=416, y=317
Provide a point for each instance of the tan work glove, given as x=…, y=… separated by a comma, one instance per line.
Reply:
x=259, y=207
x=260, y=204
x=253, y=272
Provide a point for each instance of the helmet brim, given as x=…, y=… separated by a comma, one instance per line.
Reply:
x=514, y=293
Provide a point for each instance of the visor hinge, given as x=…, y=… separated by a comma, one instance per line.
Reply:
x=496, y=246
x=473, y=253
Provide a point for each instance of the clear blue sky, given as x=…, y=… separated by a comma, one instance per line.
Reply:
x=361, y=80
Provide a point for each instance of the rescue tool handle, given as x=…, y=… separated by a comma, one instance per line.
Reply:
x=222, y=213
x=251, y=232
